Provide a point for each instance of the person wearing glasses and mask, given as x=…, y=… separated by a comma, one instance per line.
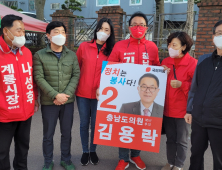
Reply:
x=56, y=72
x=136, y=50
x=148, y=90
x=17, y=93
x=204, y=111
x=90, y=56
x=182, y=67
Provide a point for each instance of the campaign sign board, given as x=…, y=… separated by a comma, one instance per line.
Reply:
x=130, y=106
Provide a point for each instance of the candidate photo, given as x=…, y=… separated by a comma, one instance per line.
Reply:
x=148, y=88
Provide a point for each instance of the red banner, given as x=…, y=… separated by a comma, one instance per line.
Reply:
x=128, y=131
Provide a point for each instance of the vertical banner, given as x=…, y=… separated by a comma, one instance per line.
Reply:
x=130, y=106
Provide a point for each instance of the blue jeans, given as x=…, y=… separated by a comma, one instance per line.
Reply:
x=87, y=113
x=124, y=153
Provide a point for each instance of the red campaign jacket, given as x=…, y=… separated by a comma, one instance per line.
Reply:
x=176, y=98
x=134, y=51
x=90, y=63
x=16, y=84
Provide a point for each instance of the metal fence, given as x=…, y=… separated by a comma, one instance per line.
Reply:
x=84, y=29
x=35, y=39
x=173, y=22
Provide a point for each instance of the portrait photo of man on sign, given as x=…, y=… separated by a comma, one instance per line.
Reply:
x=148, y=88
x=130, y=108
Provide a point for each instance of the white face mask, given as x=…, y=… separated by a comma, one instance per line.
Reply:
x=59, y=40
x=18, y=41
x=102, y=36
x=218, y=41
x=173, y=53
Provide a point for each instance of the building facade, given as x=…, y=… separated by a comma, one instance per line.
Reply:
x=90, y=6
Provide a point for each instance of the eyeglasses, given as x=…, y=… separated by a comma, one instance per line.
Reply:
x=151, y=89
x=218, y=33
x=141, y=27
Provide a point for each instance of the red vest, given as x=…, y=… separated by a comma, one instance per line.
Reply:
x=16, y=84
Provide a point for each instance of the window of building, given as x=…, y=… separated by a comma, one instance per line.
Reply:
x=10, y=3
x=55, y=5
x=31, y=5
x=179, y=1
x=83, y=2
x=107, y=2
x=135, y=2
x=176, y=1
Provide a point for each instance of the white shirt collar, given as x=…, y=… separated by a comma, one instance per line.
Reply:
x=142, y=107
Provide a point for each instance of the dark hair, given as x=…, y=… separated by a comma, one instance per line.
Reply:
x=110, y=42
x=216, y=25
x=138, y=14
x=150, y=75
x=184, y=39
x=53, y=25
x=7, y=20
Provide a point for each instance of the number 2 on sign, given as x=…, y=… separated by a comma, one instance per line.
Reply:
x=105, y=104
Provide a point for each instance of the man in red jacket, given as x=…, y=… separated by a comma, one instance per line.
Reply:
x=16, y=93
x=135, y=50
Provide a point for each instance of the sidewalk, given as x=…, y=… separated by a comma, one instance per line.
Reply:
x=108, y=155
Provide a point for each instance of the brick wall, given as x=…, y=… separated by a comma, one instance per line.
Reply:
x=67, y=17
x=210, y=11
x=115, y=13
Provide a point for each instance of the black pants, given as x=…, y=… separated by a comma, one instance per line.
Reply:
x=200, y=138
x=50, y=116
x=21, y=133
x=177, y=132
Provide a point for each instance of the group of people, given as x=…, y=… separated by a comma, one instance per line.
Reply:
x=192, y=92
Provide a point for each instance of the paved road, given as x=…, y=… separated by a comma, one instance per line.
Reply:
x=108, y=155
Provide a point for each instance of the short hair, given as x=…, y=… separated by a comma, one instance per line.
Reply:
x=7, y=20
x=138, y=14
x=53, y=25
x=184, y=40
x=150, y=75
x=216, y=25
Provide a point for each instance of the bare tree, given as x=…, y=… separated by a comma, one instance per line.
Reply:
x=39, y=7
x=190, y=20
x=159, y=21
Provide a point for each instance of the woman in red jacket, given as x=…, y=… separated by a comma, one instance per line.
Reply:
x=182, y=67
x=90, y=56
